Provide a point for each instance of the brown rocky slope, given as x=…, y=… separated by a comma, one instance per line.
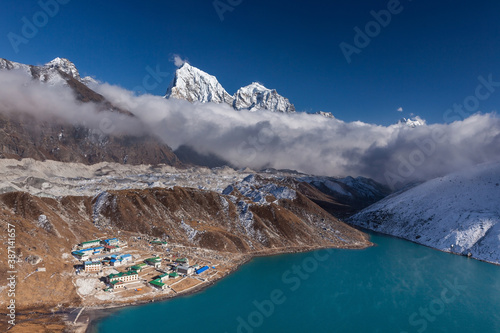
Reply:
x=232, y=224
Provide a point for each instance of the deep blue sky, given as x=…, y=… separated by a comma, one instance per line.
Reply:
x=426, y=59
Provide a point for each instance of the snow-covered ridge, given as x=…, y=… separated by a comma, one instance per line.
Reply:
x=458, y=213
x=325, y=114
x=259, y=191
x=50, y=72
x=195, y=85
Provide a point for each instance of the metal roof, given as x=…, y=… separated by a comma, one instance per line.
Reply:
x=157, y=282
x=92, y=241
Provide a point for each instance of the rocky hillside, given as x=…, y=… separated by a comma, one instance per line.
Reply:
x=249, y=216
x=458, y=213
x=252, y=216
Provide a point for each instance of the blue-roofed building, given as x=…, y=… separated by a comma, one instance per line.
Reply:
x=92, y=266
x=92, y=250
x=111, y=241
x=126, y=258
x=115, y=262
x=80, y=255
x=201, y=270
x=98, y=249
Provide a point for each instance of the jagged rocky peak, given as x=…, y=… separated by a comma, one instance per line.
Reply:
x=411, y=122
x=6, y=64
x=194, y=85
x=325, y=114
x=50, y=72
x=9, y=65
x=64, y=65
x=257, y=97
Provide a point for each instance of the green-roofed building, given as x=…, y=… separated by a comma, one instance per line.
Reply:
x=163, y=277
x=158, y=242
x=158, y=284
x=155, y=261
x=182, y=261
x=116, y=285
x=91, y=243
x=124, y=276
x=173, y=275
x=138, y=267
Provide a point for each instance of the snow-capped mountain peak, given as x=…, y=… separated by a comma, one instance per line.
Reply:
x=9, y=65
x=411, y=122
x=257, y=97
x=194, y=85
x=50, y=72
x=64, y=65
x=325, y=114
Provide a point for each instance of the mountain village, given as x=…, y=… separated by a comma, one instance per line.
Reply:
x=111, y=265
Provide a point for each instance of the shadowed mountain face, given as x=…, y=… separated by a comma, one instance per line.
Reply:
x=189, y=156
x=343, y=197
x=27, y=137
x=23, y=135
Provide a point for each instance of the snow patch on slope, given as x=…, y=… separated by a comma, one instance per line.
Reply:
x=190, y=231
x=259, y=191
x=458, y=213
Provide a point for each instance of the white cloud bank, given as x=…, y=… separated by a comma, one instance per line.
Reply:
x=308, y=143
x=314, y=144
x=20, y=95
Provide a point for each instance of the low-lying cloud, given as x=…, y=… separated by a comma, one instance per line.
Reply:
x=20, y=94
x=394, y=155
x=312, y=144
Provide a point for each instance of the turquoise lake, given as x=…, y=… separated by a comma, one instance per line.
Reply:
x=395, y=286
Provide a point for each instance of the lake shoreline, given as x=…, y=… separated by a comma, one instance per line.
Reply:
x=370, y=231
x=95, y=314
